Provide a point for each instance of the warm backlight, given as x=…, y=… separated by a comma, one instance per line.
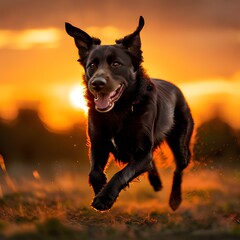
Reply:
x=77, y=99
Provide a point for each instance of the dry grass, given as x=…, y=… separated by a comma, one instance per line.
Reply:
x=60, y=209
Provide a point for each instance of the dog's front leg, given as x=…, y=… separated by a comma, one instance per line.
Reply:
x=105, y=199
x=98, y=159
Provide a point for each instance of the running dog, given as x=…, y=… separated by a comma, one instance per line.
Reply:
x=130, y=115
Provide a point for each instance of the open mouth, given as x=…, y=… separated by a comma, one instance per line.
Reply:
x=104, y=102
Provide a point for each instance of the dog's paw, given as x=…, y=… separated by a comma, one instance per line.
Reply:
x=175, y=200
x=155, y=182
x=103, y=202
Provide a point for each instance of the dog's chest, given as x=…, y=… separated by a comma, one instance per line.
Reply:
x=124, y=145
x=120, y=152
x=114, y=144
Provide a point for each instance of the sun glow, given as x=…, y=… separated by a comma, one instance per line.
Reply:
x=77, y=99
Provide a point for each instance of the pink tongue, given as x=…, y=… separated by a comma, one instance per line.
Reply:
x=102, y=101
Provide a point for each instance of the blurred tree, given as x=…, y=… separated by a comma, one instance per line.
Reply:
x=26, y=141
x=217, y=143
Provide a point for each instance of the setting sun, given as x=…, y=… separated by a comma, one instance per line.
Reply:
x=77, y=99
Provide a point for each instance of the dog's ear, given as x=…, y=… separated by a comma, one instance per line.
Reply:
x=82, y=40
x=132, y=42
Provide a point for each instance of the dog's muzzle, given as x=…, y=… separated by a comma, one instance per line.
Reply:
x=98, y=83
x=104, y=102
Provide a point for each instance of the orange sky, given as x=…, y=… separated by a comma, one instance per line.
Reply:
x=195, y=44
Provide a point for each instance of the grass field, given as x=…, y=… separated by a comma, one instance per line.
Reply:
x=60, y=209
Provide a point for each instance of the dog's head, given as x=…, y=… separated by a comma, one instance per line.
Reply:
x=110, y=70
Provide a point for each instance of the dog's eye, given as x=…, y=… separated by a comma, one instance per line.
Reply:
x=115, y=64
x=92, y=65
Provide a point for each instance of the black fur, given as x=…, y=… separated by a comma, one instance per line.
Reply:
x=130, y=115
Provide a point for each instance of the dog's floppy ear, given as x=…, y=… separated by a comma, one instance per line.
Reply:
x=82, y=40
x=132, y=41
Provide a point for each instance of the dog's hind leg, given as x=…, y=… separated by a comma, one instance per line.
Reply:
x=154, y=177
x=178, y=140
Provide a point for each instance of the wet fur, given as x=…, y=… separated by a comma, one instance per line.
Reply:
x=148, y=112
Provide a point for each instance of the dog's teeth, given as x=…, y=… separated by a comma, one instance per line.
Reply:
x=113, y=93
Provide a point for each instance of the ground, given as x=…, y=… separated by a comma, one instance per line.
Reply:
x=60, y=209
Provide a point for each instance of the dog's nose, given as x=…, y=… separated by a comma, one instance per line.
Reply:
x=98, y=83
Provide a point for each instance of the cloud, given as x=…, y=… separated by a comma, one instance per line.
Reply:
x=211, y=86
x=30, y=38
x=22, y=14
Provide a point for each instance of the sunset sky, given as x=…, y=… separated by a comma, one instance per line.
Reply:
x=193, y=43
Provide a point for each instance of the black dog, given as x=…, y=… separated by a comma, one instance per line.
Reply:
x=130, y=115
